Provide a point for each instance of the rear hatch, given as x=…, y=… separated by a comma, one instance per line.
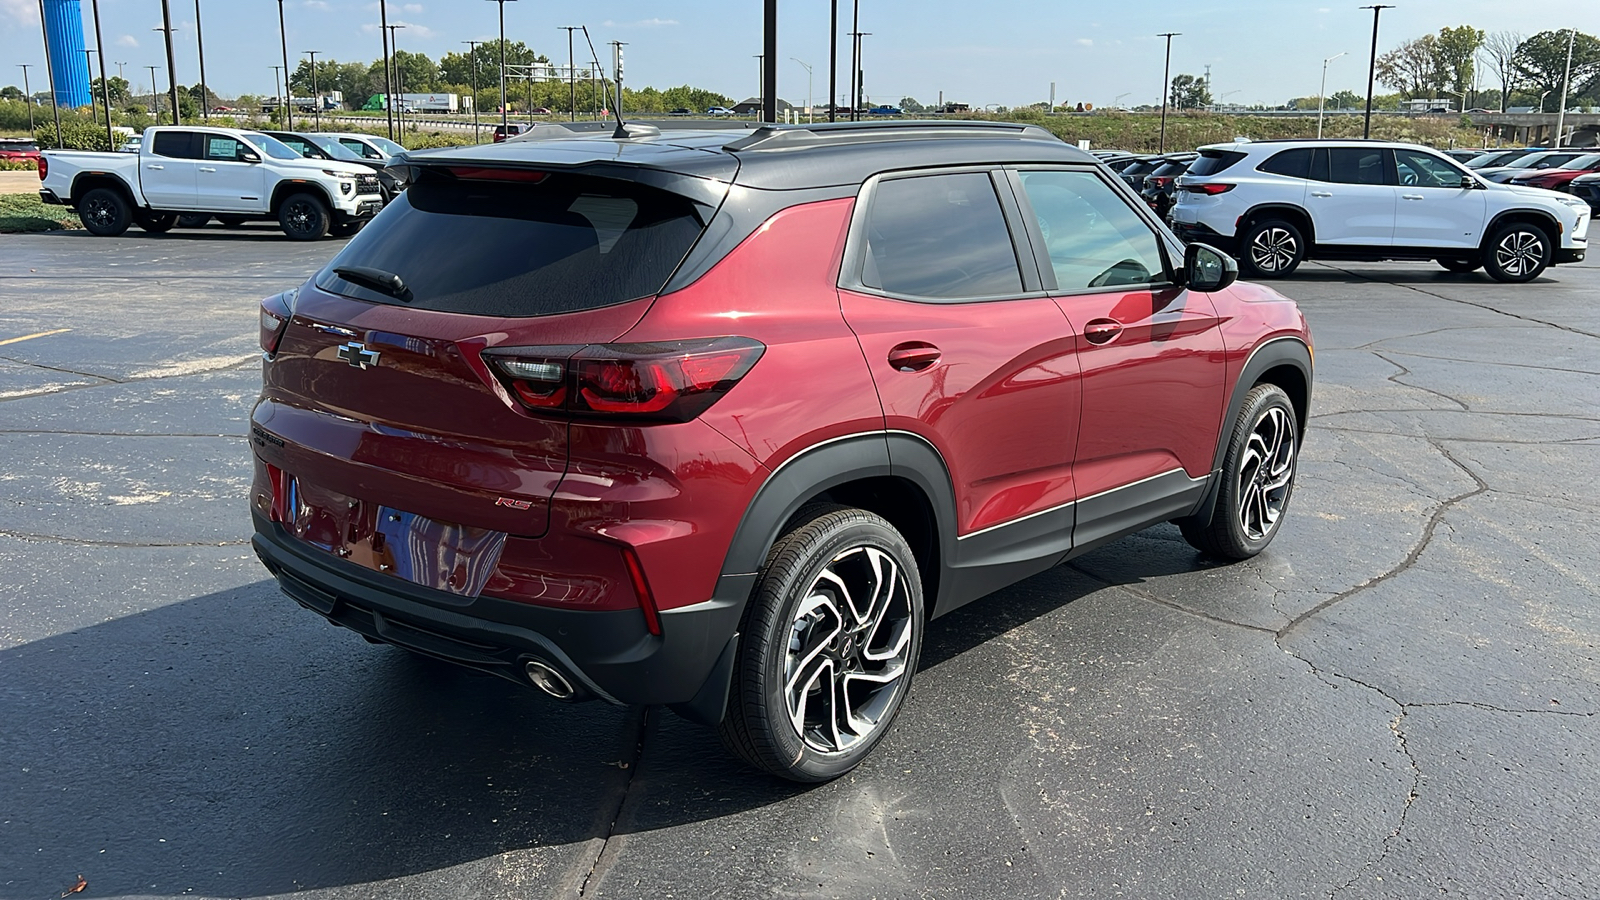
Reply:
x=378, y=404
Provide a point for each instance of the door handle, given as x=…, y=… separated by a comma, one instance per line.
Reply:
x=208, y=168
x=1101, y=331
x=154, y=166
x=913, y=356
x=1322, y=193
x=1410, y=196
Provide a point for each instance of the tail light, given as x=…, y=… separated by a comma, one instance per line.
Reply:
x=665, y=382
x=1211, y=187
x=275, y=314
x=1159, y=181
x=44, y=168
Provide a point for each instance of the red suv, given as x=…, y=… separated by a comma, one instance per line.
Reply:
x=721, y=421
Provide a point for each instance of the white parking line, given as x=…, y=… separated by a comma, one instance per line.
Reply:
x=29, y=337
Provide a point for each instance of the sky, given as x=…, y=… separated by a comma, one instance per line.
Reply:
x=1004, y=52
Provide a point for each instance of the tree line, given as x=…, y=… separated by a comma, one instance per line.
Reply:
x=1437, y=66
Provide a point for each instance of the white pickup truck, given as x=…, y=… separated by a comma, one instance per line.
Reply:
x=232, y=174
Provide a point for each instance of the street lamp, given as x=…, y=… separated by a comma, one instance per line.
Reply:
x=860, y=74
x=388, y=75
x=275, y=88
x=505, y=117
x=1566, y=81
x=855, y=57
x=810, y=112
x=166, y=30
x=399, y=112
x=1166, y=87
x=572, y=72
x=27, y=94
x=1117, y=103
x=283, y=38
x=50, y=72
x=1372, y=66
x=1322, y=91
x=200, y=42
x=316, y=98
x=472, y=48
x=1541, y=100
x=105, y=86
x=155, y=105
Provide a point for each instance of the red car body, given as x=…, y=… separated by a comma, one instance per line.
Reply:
x=19, y=150
x=1557, y=179
x=999, y=437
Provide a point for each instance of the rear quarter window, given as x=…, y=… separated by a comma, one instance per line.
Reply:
x=1295, y=163
x=517, y=249
x=1213, y=161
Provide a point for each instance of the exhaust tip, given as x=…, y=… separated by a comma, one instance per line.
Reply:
x=547, y=678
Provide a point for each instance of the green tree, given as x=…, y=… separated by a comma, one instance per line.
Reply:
x=910, y=105
x=10, y=92
x=1456, y=49
x=121, y=91
x=1500, y=48
x=1189, y=92
x=1345, y=100
x=456, y=68
x=1413, y=68
x=1542, y=62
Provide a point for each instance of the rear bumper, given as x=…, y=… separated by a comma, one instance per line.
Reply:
x=49, y=196
x=609, y=654
x=1191, y=232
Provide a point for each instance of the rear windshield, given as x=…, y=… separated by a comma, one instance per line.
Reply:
x=1213, y=161
x=501, y=248
x=1170, y=169
x=1142, y=166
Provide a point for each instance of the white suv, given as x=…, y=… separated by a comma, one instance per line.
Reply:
x=1276, y=203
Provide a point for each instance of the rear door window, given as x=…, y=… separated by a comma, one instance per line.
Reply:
x=940, y=236
x=560, y=244
x=176, y=144
x=1356, y=165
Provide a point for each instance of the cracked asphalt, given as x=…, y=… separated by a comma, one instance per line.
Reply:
x=1398, y=699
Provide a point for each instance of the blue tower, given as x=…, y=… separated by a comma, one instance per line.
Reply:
x=69, y=66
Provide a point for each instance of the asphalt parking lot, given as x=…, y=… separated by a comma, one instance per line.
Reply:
x=1398, y=699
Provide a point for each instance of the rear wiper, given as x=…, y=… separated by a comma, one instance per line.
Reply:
x=376, y=279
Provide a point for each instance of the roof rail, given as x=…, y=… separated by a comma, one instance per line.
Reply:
x=546, y=131
x=785, y=137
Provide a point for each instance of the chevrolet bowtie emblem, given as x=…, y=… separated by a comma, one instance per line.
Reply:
x=357, y=355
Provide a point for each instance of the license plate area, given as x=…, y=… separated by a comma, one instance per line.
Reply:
x=456, y=559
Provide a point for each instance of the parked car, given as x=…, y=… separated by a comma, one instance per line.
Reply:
x=329, y=147
x=1587, y=189
x=1463, y=156
x=1134, y=172
x=1544, y=159
x=509, y=130
x=1492, y=158
x=1161, y=184
x=1558, y=178
x=370, y=147
x=19, y=150
x=681, y=111
x=1278, y=203
x=719, y=112
x=514, y=424
x=233, y=174
x=885, y=111
x=131, y=144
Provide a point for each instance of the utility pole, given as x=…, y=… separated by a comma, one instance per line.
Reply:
x=27, y=94
x=105, y=86
x=200, y=41
x=399, y=84
x=856, y=100
x=316, y=98
x=761, y=84
x=1566, y=81
x=855, y=55
x=616, y=69
x=276, y=89
x=1372, y=66
x=155, y=105
x=288, y=89
x=810, y=106
x=833, y=58
x=572, y=72
x=50, y=72
x=472, y=48
x=1323, y=91
x=166, y=30
x=769, y=61
x=388, y=74
x=1166, y=89
x=88, y=65
x=505, y=109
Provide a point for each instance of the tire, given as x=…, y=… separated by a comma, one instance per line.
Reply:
x=105, y=212
x=1257, y=479
x=1460, y=266
x=1517, y=253
x=154, y=222
x=231, y=221
x=1272, y=248
x=346, y=229
x=785, y=639
x=194, y=220
x=304, y=217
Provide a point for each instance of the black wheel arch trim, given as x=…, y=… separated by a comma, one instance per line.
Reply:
x=84, y=182
x=287, y=189
x=1251, y=214
x=1554, y=233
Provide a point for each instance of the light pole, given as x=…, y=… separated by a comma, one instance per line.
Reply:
x=810, y=110
x=388, y=74
x=861, y=75
x=1372, y=66
x=276, y=89
x=833, y=58
x=572, y=72
x=505, y=111
x=399, y=83
x=1323, y=91
x=155, y=105
x=50, y=72
x=1561, y=114
x=200, y=42
x=27, y=94
x=316, y=98
x=1117, y=103
x=1166, y=87
x=105, y=86
x=855, y=55
x=288, y=89
x=761, y=83
x=1541, y=100
x=166, y=30
x=769, y=52
x=472, y=48
x=88, y=65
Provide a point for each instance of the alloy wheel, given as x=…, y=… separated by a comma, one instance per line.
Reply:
x=1273, y=249
x=1519, y=253
x=849, y=650
x=300, y=215
x=102, y=212
x=1266, y=471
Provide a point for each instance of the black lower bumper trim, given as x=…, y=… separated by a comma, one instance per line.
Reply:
x=48, y=196
x=606, y=654
x=1569, y=255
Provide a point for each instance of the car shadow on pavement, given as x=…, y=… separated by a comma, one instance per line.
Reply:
x=244, y=234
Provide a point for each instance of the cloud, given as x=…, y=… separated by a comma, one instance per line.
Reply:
x=414, y=30
x=642, y=23
x=414, y=8
x=127, y=40
x=318, y=5
x=22, y=12
x=1086, y=42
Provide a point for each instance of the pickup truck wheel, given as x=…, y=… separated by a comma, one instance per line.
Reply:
x=193, y=220
x=231, y=221
x=304, y=217
x=346, y=229
x=154, y=222
x=104, y=212
x=1517, y=253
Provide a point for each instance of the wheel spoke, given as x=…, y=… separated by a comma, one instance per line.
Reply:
x=1265, y=473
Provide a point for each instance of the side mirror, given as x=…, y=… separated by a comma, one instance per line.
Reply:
x=250, y=156
x=1208, y=269
x=1470, y=183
